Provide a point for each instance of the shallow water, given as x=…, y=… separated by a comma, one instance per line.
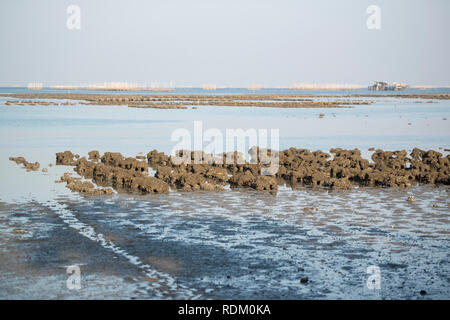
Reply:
x=235, y=244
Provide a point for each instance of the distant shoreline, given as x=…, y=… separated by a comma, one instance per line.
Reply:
x=250, y=88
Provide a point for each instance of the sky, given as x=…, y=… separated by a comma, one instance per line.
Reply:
x=228, y=42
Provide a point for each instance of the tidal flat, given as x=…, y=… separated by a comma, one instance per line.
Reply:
x=299, y=243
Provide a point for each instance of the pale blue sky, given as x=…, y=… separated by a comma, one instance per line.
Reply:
x=228, y=42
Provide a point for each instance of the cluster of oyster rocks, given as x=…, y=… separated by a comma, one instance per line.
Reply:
x=296, y=167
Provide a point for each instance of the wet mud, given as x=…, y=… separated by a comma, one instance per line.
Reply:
x=235, y=245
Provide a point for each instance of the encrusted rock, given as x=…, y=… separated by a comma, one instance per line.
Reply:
x=94, y=155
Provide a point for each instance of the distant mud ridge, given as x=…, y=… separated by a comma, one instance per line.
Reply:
x=297, y=167
x=183, y=101
x=172, y=101
x=37, y=103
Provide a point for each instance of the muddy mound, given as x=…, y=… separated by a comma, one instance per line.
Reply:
x=27, y=165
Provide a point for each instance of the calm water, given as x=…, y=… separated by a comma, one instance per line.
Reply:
x=236, y=244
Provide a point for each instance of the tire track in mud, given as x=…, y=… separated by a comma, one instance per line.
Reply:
x=161, y=285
